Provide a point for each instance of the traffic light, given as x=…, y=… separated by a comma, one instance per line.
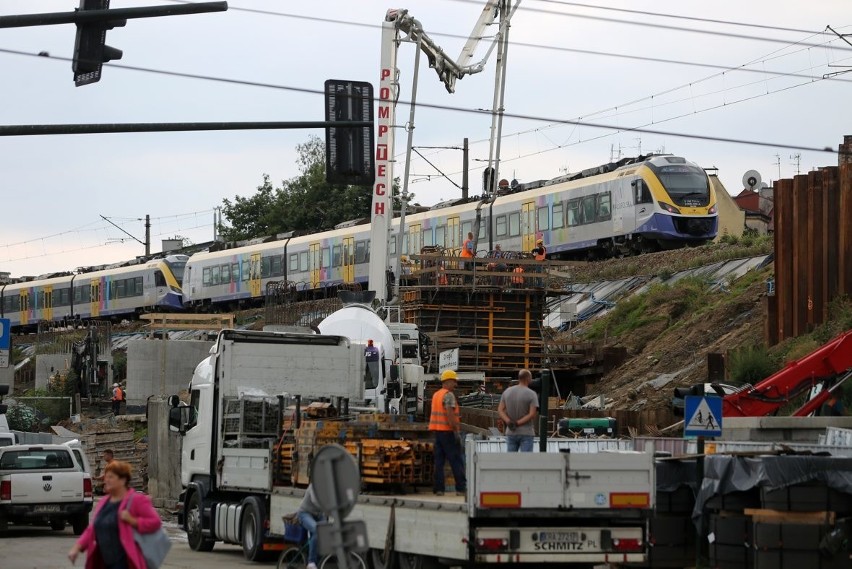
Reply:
x=4, y=390
x=90, y=50
x=349, y=158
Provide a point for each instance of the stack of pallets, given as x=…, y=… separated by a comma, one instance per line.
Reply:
x=389, y=449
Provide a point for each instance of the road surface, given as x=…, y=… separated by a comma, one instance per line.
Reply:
x=41, y=548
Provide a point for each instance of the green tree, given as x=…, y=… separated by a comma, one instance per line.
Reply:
x=305, y=203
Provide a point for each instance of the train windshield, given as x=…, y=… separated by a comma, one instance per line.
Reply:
x=177, y=268
x=687, y=185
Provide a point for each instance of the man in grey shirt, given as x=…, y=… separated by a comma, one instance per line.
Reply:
x=518, y=409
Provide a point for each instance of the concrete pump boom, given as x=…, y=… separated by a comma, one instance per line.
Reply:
x=449, y=71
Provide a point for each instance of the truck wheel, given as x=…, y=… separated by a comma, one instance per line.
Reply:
x=79, y=523
x=57, y=525
x=252, y=529
x=414, y=561
x=378, y=561
x=194, y=535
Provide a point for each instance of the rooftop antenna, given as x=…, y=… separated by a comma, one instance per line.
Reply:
x=778, y=163
x=797, y=162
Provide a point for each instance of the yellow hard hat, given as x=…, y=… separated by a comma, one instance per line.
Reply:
x=448, y=375
x=540, y=241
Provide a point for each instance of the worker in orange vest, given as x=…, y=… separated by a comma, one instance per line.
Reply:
x=540, y=254
x=467, y=252
x=445, y=422
x=517, y=278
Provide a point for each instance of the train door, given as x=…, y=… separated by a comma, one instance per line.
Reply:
x=314, y=263
x=25, y=306
x=255, y=275
x=527, y=226
x=452, y=239
x=47, y=307
x=95, y=298
x=349, y=259
x=415, y=240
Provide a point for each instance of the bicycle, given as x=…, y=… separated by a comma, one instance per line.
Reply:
x=296, y=556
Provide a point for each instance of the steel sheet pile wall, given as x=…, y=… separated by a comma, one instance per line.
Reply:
x=813, y=247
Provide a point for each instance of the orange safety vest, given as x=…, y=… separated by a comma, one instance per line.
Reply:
x=442, y=275
x=466, y=252
x=518, y=279
x=439, y=420
x=119, y=394
x=542, y=255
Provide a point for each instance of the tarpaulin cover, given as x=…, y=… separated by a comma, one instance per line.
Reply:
x=672, y=474
x=726, y=474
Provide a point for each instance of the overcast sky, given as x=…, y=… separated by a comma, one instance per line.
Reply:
x=55, y=188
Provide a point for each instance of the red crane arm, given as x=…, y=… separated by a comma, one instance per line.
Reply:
x=772, y=393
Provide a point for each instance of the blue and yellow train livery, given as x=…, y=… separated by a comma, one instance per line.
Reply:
x=114, y=292
x=632, y=206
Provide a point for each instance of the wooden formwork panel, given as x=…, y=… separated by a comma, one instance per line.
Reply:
x=800, y=254
x=830, y=235
x=784, y=256
x=816, y=274
x=845, y=230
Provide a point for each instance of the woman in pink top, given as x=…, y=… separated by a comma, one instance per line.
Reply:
x=108, y=541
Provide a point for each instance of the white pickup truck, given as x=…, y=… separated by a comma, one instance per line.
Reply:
x=45, y=485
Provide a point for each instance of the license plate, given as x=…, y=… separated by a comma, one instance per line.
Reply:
x=560, y=536
x=47, y=509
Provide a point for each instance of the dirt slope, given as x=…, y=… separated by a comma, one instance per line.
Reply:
x=671, y=329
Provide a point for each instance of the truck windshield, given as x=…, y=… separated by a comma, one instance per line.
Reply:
x=35, y=459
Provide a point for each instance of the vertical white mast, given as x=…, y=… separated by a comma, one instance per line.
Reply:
x=381, y=213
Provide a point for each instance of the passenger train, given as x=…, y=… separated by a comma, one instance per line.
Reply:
x=116, y=292
x=635, y=205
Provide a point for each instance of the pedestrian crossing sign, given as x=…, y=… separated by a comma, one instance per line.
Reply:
x=702, y=416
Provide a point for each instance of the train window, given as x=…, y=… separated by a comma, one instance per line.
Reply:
x=428, y=239
x=392, y=245
x=514, y=224
x=467, y=227
x=235, y=272
x=120, y=288
x=326, y=257
x=441, y=236
x=215, y=276
x=588, y=207
x=483, y=228
x=501, y=226
x=604, y=209
x=336, y=255
x=246, y=269
x=140, y=287
x=294, y=263
x=367, y=254
x=303, y=261
x=225, y=273
x=542, y=219
x=641, y=192
x=265, y=263
x=206, y=278
x=159, y=279
x=558, y=216
x=574, y=213
x=275, y=266
x=405, y=250
x=360, y=251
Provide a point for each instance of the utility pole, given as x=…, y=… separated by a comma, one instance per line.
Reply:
x=465, y=168
x=147, y=235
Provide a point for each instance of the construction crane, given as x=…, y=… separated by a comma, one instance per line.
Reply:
x=399, y=22
x=822, y=372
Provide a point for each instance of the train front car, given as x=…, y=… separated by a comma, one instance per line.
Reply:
x=168, y=279
x=675, y=203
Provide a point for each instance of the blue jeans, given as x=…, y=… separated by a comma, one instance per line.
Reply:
x=310, y=524
x=447, y=448
x=523, y=443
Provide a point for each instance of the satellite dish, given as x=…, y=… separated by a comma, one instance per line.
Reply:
x=751, y=179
